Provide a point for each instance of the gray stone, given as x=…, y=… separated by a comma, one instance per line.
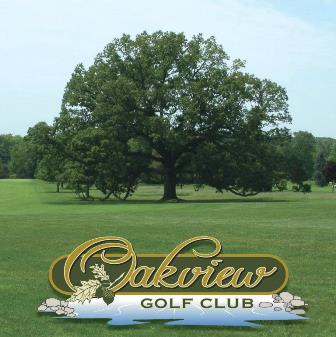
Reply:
x=297, y=303
x=53, y=302
x=64, y=303
x=298, y=312
x=297, y=298
x=42, y=308
x=54, y=308
x=277, y=309
x=72, y=315
x=69, y=310
x=265, y=304
x=286, y=296
x=288, y=309
x=60, y=312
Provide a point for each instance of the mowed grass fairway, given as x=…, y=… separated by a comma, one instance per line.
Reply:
x=38, y=225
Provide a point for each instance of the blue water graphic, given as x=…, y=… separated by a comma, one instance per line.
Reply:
x=127, y=310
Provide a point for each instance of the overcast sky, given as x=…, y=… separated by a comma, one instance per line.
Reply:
x=290, y=42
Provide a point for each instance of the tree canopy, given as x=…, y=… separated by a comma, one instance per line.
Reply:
x=182, y=104
x=300, y=157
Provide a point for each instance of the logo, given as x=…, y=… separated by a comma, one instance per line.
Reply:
x=106, y=278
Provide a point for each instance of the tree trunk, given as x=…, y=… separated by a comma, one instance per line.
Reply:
x=58, y=187
x=87, y=192
x=169, y=192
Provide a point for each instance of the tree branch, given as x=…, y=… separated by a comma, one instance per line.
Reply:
x=243, y=193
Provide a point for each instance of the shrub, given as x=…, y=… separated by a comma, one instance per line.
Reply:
x=305, y=188
x=281, y=185
x=295, y=188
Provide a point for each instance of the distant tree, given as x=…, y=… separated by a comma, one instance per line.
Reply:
x=300, y=158
x=2, y=171
x=50, y=161
x=7, y=142
x=23, y=160
x=319, y=166
x=325, y=145
x=329, y=172
x=164, y=98
x=332, y=154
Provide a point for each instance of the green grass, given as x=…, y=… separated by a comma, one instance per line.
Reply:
x=37, y=225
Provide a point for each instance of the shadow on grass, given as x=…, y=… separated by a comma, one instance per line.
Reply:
x=141, y=200
x=61, y=192
x=160, y=202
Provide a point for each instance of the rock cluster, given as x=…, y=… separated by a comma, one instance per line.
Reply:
x=57, y=306
x=286, y=301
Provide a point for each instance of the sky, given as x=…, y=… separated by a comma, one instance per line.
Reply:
x=290, y=42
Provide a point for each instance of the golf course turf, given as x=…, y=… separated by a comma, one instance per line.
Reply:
x=37, y=225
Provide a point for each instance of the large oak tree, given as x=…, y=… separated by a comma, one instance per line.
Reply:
x=161, y=97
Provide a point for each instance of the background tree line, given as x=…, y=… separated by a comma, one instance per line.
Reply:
x=164, y=109
x=305, y=158
x=17, y=157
